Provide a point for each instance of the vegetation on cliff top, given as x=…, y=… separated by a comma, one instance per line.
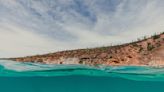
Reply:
x=133, y=53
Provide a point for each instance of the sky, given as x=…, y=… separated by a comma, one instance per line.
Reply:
x=29, y=27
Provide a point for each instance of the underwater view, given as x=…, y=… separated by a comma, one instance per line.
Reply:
x=32, y=77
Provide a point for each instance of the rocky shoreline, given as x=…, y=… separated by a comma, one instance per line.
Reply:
x=148, y=51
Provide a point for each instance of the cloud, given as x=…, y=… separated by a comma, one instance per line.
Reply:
x=16, y=41
x=30, y=27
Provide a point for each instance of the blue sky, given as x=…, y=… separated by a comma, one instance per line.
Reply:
x=29, y=27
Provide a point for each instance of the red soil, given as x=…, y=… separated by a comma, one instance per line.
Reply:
x=148, y=51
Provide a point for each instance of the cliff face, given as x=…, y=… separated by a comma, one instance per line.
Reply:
x=149, y=51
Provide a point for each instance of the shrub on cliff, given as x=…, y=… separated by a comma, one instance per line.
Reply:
x=156, y=36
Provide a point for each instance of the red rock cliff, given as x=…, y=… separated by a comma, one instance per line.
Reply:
x=149, y=51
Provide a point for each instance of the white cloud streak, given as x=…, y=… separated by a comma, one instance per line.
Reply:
x=30, y=27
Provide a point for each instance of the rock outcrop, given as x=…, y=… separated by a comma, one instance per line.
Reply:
x=149, y=51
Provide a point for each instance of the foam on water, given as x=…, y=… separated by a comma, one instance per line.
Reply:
x=26, y=66
x=12, y=68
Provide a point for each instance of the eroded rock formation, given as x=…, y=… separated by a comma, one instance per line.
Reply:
x=149, y=51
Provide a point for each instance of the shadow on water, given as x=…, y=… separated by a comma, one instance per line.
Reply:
x=77, y=84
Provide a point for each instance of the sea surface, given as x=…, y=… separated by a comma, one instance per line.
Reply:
x=32, y=77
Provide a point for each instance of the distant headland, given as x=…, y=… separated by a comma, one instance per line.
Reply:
x=144, y=52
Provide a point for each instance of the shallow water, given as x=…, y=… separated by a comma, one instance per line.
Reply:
x=30, y=77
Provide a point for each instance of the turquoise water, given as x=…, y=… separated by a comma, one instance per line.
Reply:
x=77, y=84
x=30, y=77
